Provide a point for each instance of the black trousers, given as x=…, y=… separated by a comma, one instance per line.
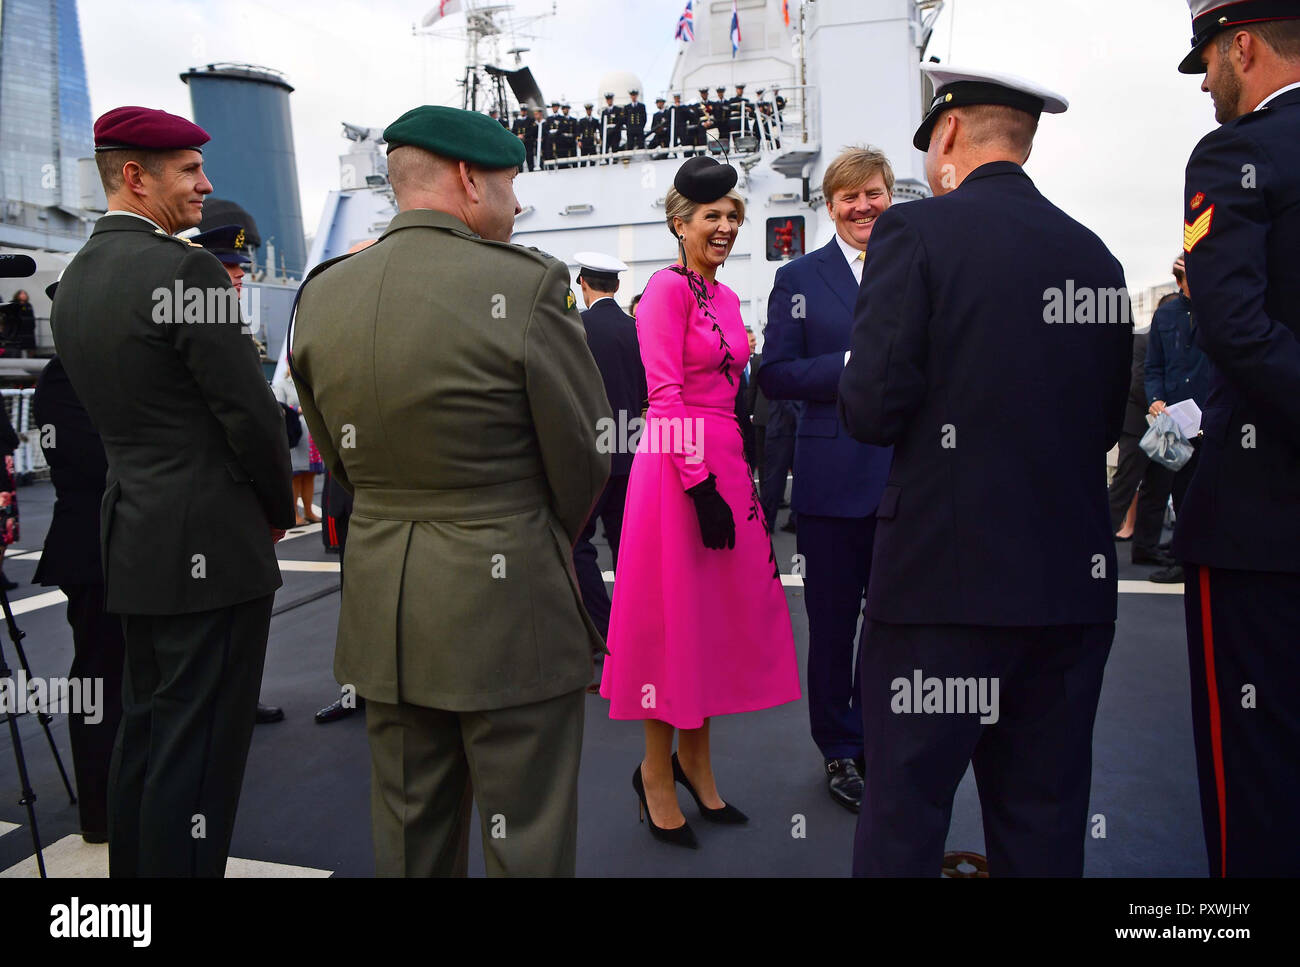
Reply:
x=189, y=700
x=99, y=652
x=1164, y=483
x=778, y=460
x=837, y=553
x=1033, y=765
x=609, y=510
x=1245, y=671
x=1137, y=470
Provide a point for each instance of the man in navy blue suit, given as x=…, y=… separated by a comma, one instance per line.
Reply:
x=991, y=346
x=1238, y=532
x=611, y=337
x=837, y=480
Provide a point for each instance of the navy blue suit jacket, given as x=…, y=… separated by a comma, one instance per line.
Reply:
x=1242, y=236
x=996, y=509
x=809, y=319
x=611, y=337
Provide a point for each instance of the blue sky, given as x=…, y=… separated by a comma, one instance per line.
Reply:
x=1115, y=161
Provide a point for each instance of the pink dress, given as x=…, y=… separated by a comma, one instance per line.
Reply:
x=694, y=632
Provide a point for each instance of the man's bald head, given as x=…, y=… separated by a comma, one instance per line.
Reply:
x=482, y=198
x=416, y=174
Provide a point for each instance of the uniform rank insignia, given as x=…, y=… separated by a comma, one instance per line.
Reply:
x=1197, y=199
x=1193, y=232
x=569, y=300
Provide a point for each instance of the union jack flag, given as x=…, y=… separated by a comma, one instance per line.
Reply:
x=686, y=24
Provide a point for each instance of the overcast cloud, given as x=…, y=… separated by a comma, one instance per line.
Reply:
x=1115, y=161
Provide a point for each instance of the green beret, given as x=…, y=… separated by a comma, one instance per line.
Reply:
x=461, y=135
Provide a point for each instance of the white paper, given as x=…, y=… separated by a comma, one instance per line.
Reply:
x=1188, y=417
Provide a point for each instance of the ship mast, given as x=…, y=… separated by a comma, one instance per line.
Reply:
x=485, y=24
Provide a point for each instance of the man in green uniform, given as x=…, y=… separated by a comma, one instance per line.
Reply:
x=148, y=328
x=444, y=374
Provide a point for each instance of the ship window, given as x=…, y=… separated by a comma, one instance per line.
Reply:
x=784, y=238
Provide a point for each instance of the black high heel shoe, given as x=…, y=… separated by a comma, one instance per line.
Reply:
x=726, y=813
x=683, y=835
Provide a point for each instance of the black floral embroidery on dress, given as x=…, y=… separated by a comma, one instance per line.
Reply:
x=756, y=510
x=704, y=302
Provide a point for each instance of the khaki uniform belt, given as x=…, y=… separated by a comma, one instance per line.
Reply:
x=466, y=503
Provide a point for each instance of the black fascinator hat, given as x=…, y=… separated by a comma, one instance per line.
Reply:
x=702, y=180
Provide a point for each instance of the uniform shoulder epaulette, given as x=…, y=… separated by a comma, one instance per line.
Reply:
x=177, y=238
x=536, y=254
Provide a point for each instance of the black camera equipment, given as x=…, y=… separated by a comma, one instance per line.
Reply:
x=20, y=267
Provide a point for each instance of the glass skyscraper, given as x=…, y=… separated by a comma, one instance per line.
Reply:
x=45, y=124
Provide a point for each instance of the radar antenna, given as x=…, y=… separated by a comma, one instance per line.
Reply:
x=485, y=23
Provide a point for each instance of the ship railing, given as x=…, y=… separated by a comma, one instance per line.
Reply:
x=29, y=459
x=791, y=129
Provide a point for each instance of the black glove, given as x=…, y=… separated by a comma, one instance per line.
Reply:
x=717, y=525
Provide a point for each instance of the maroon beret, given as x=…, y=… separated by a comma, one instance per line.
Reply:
x=143, y=127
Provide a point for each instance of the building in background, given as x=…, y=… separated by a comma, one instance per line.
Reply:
x=251, y=158
x=1146, y=300
x=45, y=126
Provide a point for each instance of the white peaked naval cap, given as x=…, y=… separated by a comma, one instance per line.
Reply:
x=599, y=264
x=957, y=87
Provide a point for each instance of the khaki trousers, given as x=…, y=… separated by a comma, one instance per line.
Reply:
x=520, y=765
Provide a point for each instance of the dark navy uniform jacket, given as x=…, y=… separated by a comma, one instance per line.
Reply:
x=634, y=116
x=611, y=337
x=809, y=321
x=996, y=508
x=1242, y=238
x=1176, y=369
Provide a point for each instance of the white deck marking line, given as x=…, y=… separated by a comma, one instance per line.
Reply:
x=321, y=566
x=1125, y=587
x=7, y=827
x=74, y=857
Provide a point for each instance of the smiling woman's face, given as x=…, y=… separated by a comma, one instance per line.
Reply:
x=710, y=234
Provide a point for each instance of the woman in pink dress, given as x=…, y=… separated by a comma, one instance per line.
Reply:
x=699, y=624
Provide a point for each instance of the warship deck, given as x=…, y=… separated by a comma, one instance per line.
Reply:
x=305, y=805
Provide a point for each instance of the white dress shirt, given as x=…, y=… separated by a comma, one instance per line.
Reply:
x=855, y=258
x=1278, y=93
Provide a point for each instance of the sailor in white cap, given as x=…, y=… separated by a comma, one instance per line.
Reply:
x=1238, y=533
x=611, y=337
x=956, y=361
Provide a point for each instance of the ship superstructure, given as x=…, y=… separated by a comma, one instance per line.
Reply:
x=847, y=71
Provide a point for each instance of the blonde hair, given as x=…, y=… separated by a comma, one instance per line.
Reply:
x=677, y=205
x=856, y=165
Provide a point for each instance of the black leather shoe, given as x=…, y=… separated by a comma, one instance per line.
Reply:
x=683, y=835
x=269, y=713
x=7, y=584
x=94, y=837
x=726, y=813
x=1169, y=575
x=337, y=710
x=789, y=527
x=845, y=783
x=1152, y=557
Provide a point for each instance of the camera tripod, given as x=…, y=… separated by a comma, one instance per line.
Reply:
x=28, y=799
